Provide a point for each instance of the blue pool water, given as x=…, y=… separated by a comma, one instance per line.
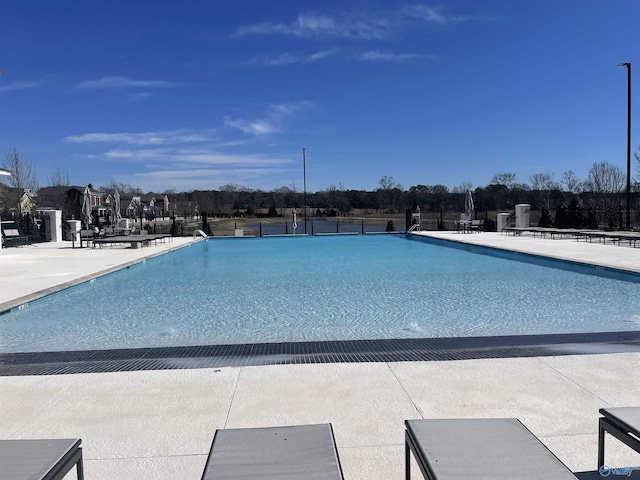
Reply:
x=229, y=291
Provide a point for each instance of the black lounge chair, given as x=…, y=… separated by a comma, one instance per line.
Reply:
x=12, y=238
x=40, y=459
x=621, y=422
x=481, y=449
x=305, y=452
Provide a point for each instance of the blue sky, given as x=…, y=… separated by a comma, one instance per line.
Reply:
x=190, y=95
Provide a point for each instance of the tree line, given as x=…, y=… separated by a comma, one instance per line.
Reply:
x=603, y=188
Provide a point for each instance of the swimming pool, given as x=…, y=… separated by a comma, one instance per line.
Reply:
x=236, y=291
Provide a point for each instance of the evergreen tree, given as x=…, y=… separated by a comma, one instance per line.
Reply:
x=562, y=217
x=545, y=218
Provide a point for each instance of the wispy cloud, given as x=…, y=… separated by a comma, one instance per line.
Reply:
x=18, y=86
x=431, y=14
x=315, y=25
x=193, y=157
x=145, y=138
x=252, y=127
x=173, y=148
x=203, y=178
x=123, y=82
x=293, y=58
x=359, y=25
x=272, y=120
x=376, y=56
x=424, y=12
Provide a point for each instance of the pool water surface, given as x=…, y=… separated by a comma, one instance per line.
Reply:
x=238, y=291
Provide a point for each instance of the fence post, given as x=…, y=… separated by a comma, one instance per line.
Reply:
x=620, y=218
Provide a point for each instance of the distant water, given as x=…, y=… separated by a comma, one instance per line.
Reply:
x=226, y=291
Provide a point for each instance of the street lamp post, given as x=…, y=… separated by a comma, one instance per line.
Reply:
x=628, y=65
x=304, y=173
x=4, y=173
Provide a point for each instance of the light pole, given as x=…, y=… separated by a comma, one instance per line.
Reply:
x=628, y=65
x=4, y=173
x=304, y=174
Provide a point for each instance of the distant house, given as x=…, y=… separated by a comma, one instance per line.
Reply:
x=73, y=203
x=157, y=204
x=28, y=201
x=52, y=198
x=69, y=200
x=150, y=205
x=185, y=208
x=18, y=200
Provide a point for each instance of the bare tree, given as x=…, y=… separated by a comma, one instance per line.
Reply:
x=386, y=191
x=233, y=187
x=605, y=177
x=571, y=183
x=23, y=177
x=59, y=178
x=462, y=188
x=121, y=187
x=543, y=181
x=388, y=183
x=508, y=179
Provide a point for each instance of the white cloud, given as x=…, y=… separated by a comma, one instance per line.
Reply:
x=204, y=178
x=361, y=25
x=123, y=82
x=145, y=138
x=313, y=25
x=424, y=12
x=252, y=127
x=289, y=58
x=435, y=15
x=291, y=108
x=18, y=86
x=374, y=56
x=272, y=120
x=193, y=157
x=202, y=169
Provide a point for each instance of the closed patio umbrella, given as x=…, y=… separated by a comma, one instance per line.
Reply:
x=468, y=204
x=116, y=207
x=86, y=207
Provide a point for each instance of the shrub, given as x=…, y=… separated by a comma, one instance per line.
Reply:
x=390, y=226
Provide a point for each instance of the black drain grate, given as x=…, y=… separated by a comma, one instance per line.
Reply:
x=396, y=350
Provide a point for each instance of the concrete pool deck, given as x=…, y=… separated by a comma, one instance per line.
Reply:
x=159, y=424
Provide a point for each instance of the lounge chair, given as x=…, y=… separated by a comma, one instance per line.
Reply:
x=623, y=423
x=12, y=238
x=481, y=448
x=86, y=236
x=477, y=225
x=40, y=459
x=297, y=452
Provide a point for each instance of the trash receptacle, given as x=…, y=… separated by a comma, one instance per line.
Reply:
x=72, y=230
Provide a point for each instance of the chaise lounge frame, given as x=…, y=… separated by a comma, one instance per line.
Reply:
x=40, y=459
x=479, y=448
x=302, y=452
x=621, y=422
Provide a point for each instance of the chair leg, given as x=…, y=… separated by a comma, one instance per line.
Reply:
x=600, y=444
x=407, y=461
